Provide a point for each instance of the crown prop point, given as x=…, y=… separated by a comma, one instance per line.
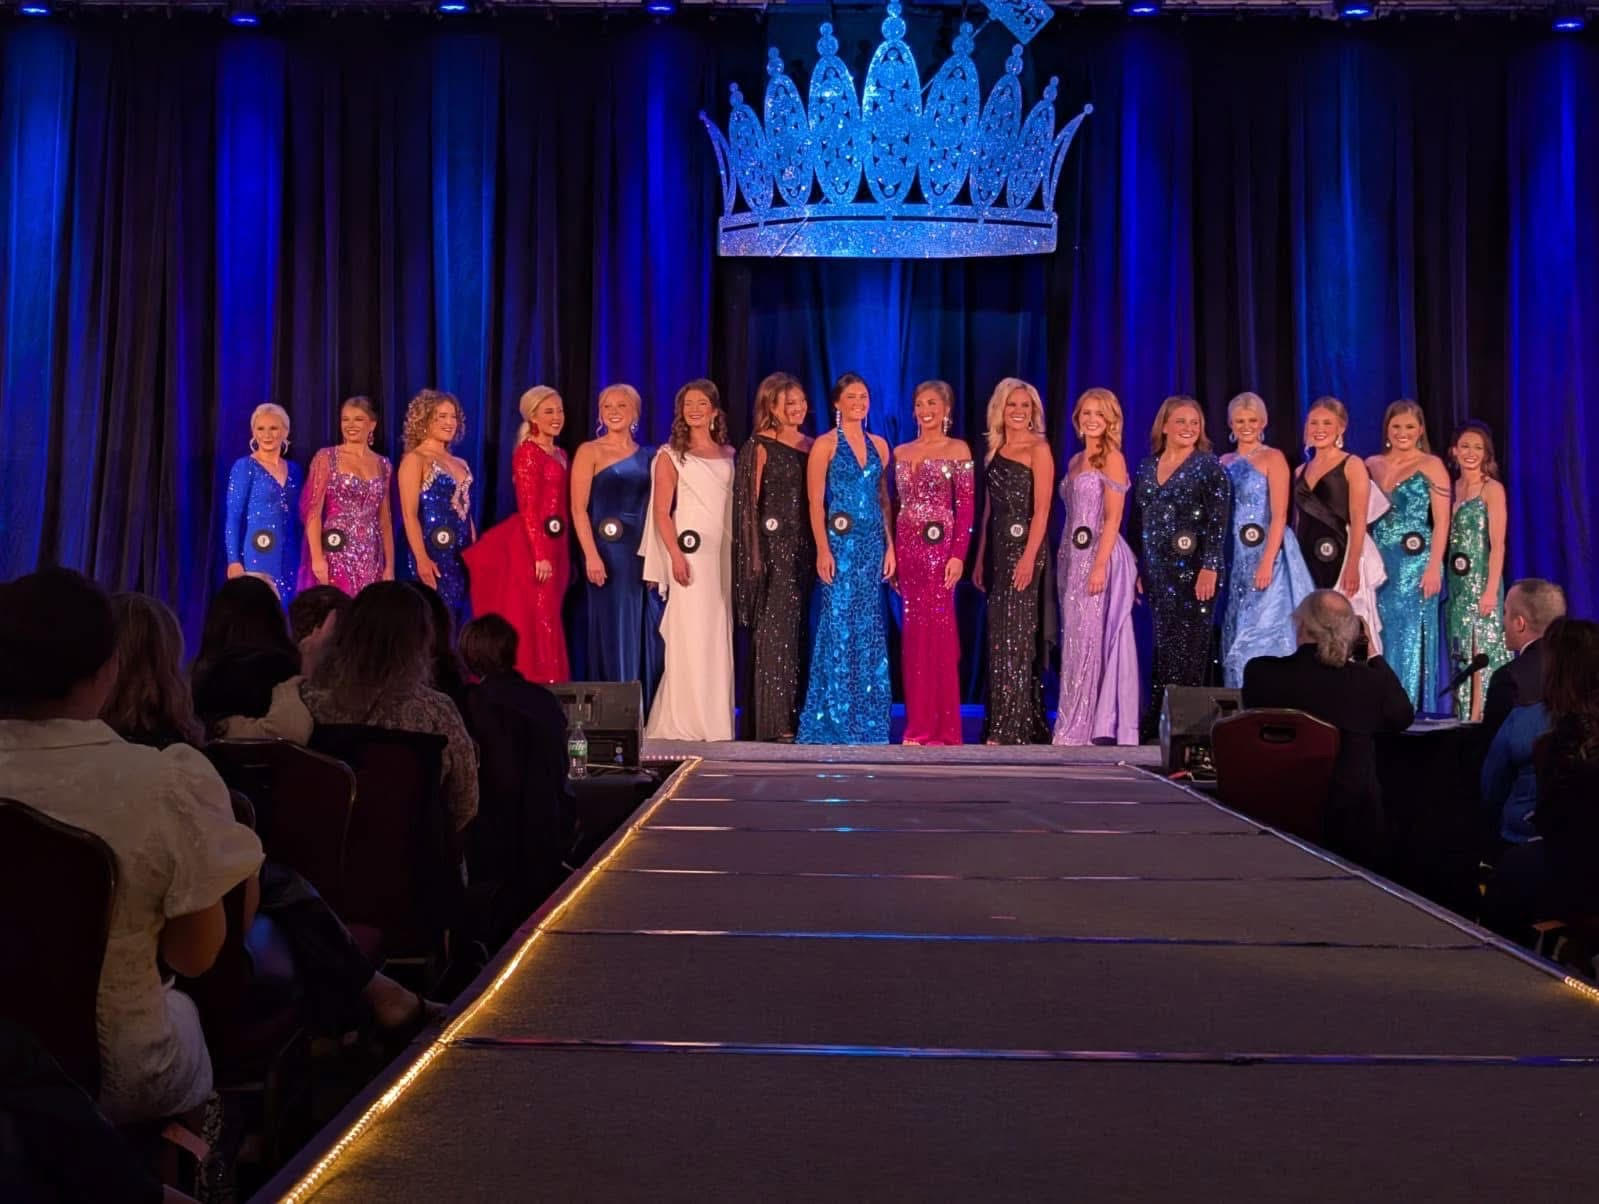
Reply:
x=801, y=168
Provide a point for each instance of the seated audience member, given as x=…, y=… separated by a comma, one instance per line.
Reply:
x=150, y=705
x=448, y=677
x=1530, y=606
x=1509, y=777
x=247, y=675
x=376, y=673
x=166, y=816
x=1556, y=875
x=312, y=617
x=1359, y=698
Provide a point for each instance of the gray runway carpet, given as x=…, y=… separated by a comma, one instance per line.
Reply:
x=907, y=981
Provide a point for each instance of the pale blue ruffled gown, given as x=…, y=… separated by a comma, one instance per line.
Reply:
x=1258, y=622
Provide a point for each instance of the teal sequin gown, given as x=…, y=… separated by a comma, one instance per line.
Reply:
x=1410, y=623
x=848, y=698
x=1467, y=571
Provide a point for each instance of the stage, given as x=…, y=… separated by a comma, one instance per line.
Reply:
x=986, y=974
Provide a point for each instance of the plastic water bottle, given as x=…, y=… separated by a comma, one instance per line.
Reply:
x=577, y=751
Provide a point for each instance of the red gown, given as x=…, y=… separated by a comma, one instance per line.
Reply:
x=502, y=563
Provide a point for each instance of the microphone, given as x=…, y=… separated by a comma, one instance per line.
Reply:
x=1474, y=665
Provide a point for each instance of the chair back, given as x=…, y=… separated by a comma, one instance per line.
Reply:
x=303, y=804
x=1276, y=766
x=401, y=864
x=63, y=880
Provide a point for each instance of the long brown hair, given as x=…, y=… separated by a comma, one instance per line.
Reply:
x=772, y=390
x=383, y=644
x=1112, y=439
x=1570, y=668
x=1490, y=462
x=151, y=701
x=680, y=432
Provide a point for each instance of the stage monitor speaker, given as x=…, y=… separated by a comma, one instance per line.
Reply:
x=1186, y=716
x=612, y=715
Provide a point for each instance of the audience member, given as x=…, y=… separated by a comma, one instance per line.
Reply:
x=165, y=815
x=1530, y=606
x=150, y=702
x=1359, y=698
x=247, y=676
x=313, y=615
x=448, y=677
x=376, y=672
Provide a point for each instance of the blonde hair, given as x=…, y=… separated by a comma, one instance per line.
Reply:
x=1333, y=406
x=1405, y=406
x=628, y=393
x=1112, y=439
x=529, y=405
x=939, y=389
x=420, y=413
x=996, y=412
x=1249, y=401
x=1157, y=429
x=276, y=411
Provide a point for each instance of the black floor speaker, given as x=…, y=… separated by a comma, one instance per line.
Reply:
x=612, y=715
x=1186, y=715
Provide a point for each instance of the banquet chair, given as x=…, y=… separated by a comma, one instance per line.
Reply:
x=1275, y=766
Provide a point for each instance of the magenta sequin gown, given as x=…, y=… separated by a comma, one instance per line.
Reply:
x=352, y=513
x=934, y=525
x=1098, y=661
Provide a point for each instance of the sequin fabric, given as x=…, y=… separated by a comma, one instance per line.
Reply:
x=934, y=526
x=1177, y=529
x=261, y=523
x=544, y=505
x=350, y=510
x=443, y=509
x=1015, y=617
x=1258, y=622
x=774, y=572
x=1465, y=577
x=1410, y=623
x=848, y=696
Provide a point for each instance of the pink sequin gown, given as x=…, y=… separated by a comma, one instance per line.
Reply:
x=351, y=510
x=934, y=526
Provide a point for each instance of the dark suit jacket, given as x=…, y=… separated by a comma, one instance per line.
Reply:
x=1518, y=684
x=1360, y=700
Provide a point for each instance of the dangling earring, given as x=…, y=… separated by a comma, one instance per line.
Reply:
x=283, y=449
x=838, y=415
x=1387, y=445
x=369, y=438
x=1232, y=436
x=254, y=446
x=1338, y=442
x=946, y=424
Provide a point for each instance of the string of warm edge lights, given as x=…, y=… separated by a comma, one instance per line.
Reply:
x=307, y=1184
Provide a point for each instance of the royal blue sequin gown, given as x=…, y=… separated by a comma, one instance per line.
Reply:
x=261, y=526
x=1410, y=623
x=624, y=618
x=1258, y=622
x=444, y=508
x=848, y=698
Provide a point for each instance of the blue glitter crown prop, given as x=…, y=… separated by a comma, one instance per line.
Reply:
x=948, y=176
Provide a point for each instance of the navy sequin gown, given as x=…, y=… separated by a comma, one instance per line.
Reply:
x=444, y=509
x=848, y=698
x=261, y=528
x=624, y=617
x=1177, y=529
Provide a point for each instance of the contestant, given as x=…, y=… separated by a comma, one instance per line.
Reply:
x=261, y=525
x=349, y=536
x=775, y=553
x=1475, y=613
x=1181, y=500
x=1020, y=475
x=688, y=556
x=436, y=498
x=1268, y=577
x=1411, y=538
x=1096, y=576
x=933, y=475
x=610, y=507
x=1333, y=502
x=848, y=698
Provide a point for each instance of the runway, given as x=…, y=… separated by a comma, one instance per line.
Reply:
x=790, y=980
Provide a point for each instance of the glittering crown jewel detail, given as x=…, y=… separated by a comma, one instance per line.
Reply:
x=947, y=176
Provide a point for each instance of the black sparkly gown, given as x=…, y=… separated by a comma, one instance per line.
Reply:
x=1015, y=618
x=1177, y=529
x=1321, y=523
x=775, y=566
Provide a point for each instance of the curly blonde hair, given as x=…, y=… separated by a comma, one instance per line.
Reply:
x=996, y=412
x=680, y=431
x=419, y=414
x=1112, y=408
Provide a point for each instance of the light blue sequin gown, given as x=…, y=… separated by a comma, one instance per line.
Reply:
x=1258, y=622
x=261, y=528
x=444, y=509
x=1410, y=623
x=848, y=698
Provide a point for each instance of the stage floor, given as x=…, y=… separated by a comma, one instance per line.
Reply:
x=979, y=980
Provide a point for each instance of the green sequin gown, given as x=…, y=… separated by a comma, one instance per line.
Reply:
x=1468, y=631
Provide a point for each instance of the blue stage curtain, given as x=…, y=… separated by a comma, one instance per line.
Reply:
x=321, y=208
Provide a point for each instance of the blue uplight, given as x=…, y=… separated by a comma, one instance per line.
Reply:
x=1572, y=22
x=1354, y=10
x=35, y=9
x=660, y=8
x=1142, y=8
x=453, y=7
x=243, y=19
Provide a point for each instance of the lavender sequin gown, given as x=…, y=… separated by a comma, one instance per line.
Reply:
x=1098, y=660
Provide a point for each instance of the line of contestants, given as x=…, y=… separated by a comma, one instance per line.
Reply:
x=680, y=542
